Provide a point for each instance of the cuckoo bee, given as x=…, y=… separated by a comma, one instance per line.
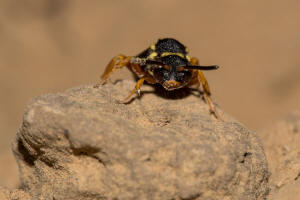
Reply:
x=165, y=62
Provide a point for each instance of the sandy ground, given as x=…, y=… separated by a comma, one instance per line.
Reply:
x=51, y=45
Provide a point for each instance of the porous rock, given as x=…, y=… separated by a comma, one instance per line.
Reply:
x=16, y=194
x=281, y=142
x=83, y=144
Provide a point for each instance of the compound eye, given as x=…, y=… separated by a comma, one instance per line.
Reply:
x=167, y=67
x=161, y=74
x=183, y=76
x=180, y=69
x=180, y=76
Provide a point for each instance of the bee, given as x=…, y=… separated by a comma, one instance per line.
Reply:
x=167, y=63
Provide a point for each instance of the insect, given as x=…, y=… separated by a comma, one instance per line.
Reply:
x=165, y=62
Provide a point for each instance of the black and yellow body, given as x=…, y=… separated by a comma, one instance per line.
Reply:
x=166, y=62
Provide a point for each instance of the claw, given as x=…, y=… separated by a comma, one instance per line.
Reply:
x=102, y=82
x=212, y=108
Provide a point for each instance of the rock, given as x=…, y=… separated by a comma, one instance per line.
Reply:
x=289, y=191
x=6, y=194
x=281, y=142
x=82, y=144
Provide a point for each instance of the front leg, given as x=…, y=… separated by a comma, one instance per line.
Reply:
x=200, y=79
x=137, y=88
x=116, y=63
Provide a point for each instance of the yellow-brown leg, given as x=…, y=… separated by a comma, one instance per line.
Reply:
x=137, y=88
x=116, y=63
x=206, y=90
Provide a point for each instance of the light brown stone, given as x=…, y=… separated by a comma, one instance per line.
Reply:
x=82, y=144
x=281, y=142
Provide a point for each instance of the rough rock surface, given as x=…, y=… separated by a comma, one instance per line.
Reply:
x=281, y=142
x=82, y=144
x=6, y=194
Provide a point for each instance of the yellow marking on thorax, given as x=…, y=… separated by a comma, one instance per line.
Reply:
x=172, y=53
x=152, y=46
x=152, y=55
x=188, y=58
x=150, y=72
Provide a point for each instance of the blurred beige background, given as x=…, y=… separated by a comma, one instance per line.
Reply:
x=51, y=45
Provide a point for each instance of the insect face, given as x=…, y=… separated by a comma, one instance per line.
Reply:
x=171, y=74
x=172, y=79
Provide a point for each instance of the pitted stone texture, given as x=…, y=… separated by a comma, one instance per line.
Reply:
x=6, y=194
x=82, y=144
x=281, y=143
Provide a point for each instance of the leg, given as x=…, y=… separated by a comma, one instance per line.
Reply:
x=137, y=88
x=202, y=80
x=207, y=94
x=116, y=63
